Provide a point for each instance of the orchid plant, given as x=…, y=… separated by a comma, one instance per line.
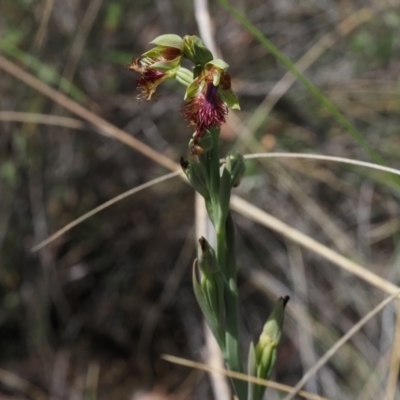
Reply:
x=207, y=100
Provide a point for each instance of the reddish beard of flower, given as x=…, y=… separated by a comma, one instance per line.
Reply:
x=148, y=82
x=206, y=110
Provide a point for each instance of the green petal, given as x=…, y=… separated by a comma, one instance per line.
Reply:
x=152, y=53
x=184, y=76
x=194, y=89
x=217, y=77
x=229, y=98
x=169, y=40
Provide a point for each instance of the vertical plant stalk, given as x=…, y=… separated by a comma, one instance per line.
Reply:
x=225, y=252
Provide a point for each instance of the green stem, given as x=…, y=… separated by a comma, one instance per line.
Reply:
x=232, y=308
x=225, y=252
x=232, y=344
x=221, y=250
x=214, y=175
x=226, y=258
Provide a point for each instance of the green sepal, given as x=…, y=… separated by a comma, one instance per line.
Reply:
x=194, y=89
x=229, y=98
x=195, y=50
x=169, y=40
x=220, y=64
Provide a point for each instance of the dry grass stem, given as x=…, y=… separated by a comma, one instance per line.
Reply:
x=323, y=360
x=393, y=377
x=80, y=39
x=41, y=33
x=206, y=28
x=103, y=206
x=312, y=55
x=257, y=215
x=325, y=158
x=105, y=127
x=21, y=385
x=237, y=375
x=46, y=119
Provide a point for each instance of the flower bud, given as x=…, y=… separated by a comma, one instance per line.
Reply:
x=195, y=50
x=273, y=327
x=266, y=349
x=206, y=258
x=209, y=293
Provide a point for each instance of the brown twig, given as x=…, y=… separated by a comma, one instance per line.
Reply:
x=237, y=375
x=46, y=119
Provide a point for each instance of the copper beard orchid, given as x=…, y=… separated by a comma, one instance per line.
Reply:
x=206, y=109
x=208, y=97
x=209, y=93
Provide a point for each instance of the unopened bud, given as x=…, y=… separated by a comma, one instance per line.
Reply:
x=273, y=327
x=209, y=293
x=266, y=349
x=206, y=258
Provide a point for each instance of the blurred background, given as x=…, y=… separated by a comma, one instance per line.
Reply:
x=89, y=315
